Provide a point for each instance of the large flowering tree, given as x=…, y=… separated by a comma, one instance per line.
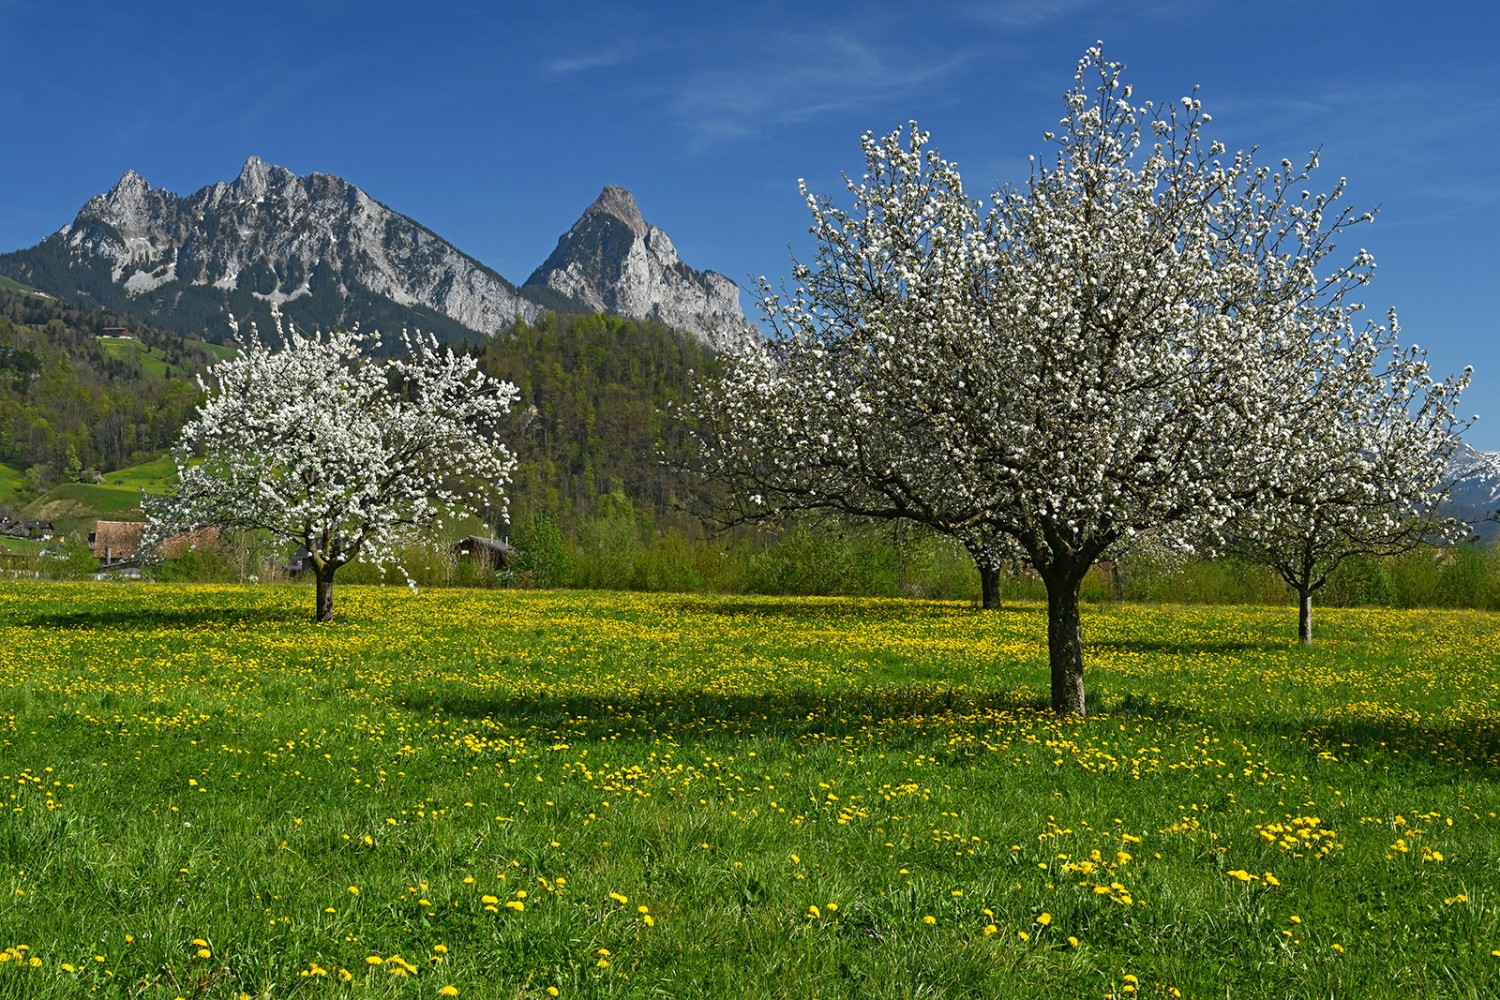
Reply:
x=1120, y=346
x=322, y=441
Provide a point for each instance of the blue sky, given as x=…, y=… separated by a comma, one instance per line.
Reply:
x=495, y=124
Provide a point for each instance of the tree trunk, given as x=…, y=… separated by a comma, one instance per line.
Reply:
x=1065, y=646
x=989, y=587
x=325, y=596
x=1304, y=617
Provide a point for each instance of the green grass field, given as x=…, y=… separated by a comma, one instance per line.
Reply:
x=14, y=285
x=219, y=351
x=153, y=361
x=532, y=794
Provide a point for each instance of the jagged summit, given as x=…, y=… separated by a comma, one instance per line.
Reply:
x=327, y=254
x=257, y=177
x=130, y=181
x=612, y=260
x=618, y=203
x=316, y=247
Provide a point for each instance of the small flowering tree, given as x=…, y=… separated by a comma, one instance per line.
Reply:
x=321, y=442
x=1118, y=347
x=1376, y=436
x=839, y=413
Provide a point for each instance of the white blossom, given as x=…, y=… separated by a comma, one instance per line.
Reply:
x=1127, y=344
x=322, y=441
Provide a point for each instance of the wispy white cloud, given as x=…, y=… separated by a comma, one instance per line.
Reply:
x=1394, y=138
x=802, y=78
x=1021, y=15
x=584, y=64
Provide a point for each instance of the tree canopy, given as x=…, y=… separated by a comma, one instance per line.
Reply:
x=322, y=441
x=1122, y=345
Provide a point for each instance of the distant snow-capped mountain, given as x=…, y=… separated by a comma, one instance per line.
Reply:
x=1476, y=491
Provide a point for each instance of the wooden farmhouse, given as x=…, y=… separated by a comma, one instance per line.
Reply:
x=491, y=551
x=116, y=542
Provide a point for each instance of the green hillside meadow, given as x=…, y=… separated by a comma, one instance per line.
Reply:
x=546, y=793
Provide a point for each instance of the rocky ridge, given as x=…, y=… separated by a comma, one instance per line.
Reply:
x=323, y=252
x=612, y=260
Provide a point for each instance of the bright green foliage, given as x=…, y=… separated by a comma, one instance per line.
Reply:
x=61, y=388
x=620, y=796
x=604, y=392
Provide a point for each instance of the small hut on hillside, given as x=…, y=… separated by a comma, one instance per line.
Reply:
x=491, y=551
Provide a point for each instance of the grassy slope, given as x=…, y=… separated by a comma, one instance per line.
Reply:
x=14, y=285
x=153, y=362
x=220, y=351
x=118, y=498
x=623, y=795
x=11, y=479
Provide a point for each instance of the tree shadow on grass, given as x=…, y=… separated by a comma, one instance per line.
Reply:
x=1465, y=744
x=852, y=607
x=175, y=618
x=900, y=718
x=1189, y=646
x=697, y=712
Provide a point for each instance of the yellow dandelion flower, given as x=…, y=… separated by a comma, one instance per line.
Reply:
x=515, y=904
x=990, y=929
x=619, y=898
x=448, y=991
x=929, y=919
x=1044, y=919
x=552, y=991
x=374, y=960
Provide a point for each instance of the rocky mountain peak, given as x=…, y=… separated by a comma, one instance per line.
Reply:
x=131, y=181
x=612, y=260
x=618, y=203
x=258, y=178
x=325, y=253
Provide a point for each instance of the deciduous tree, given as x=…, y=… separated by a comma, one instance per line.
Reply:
x=321, y=441
x=1376, y=436
x=1118, y=346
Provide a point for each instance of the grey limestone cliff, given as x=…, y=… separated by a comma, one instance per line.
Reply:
x=283, y=238
x=611, y=260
